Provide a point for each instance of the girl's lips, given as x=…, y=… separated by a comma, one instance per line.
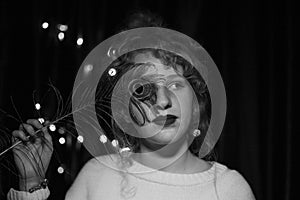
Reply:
x=166, y=120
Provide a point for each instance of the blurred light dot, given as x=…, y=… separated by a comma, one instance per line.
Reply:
x=37, y=106
x=80, y=139
x=112, y=72
x=103, y=138
x=88, y=68
x=115, y=143
x=79, y=41
x=61, y=36
x=52, y=127
x=125, y=149
x=60, y=170
x=41, y=120
x=111, y=53
x=62, y=27
x=61, y=130
x=62, y=140
x=45, y=25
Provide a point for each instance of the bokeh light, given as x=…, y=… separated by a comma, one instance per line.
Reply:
x=103, y=138
x=45, y=25
x=61, y=36
x=115, y=143
x=80, y=139
x=62, y=27
x=61, y=130
x=41, y=120
x=60, y=170
x=37, y=106
x=79, y=41
x=62, y=140
x=52, y=127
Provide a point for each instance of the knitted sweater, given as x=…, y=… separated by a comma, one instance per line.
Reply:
x=101, y=179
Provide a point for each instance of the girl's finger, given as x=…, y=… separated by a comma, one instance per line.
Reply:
x=20, y=135
x=46, y=133
x=28, y=128
x=46, y=126
x=35, y=123
x=47, y=136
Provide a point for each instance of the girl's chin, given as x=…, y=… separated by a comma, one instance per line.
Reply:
x=161, y=132
x=164, y=136
x=155, y=143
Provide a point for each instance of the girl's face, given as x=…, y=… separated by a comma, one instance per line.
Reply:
x=174, y=97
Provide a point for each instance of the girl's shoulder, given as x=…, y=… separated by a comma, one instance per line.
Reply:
x=232, y=183
x=226, y=174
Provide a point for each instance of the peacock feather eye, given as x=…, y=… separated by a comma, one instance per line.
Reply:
x=142, y=90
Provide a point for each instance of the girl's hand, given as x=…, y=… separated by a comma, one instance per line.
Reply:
x=32, y=156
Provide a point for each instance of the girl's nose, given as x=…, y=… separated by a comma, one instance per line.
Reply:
x=163, y=98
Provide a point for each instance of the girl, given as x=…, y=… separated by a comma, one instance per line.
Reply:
x=154, y=104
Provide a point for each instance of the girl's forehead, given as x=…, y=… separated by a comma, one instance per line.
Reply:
x=158, y=70
x=154, y=66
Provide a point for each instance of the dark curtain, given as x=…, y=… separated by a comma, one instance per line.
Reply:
x=252, y=43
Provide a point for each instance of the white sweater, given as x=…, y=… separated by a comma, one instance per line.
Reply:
x=98, y=180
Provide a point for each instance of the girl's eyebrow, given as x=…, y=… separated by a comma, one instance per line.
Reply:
x=174, y=76
x=160, y=77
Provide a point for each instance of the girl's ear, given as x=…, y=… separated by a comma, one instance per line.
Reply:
x=196, y=110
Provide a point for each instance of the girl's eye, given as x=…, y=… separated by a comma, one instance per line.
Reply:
x=176, y=85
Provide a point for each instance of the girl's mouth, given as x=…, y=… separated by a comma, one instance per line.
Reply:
x=165, y=121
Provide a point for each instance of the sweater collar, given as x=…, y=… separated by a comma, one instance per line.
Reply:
x=146, y=173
